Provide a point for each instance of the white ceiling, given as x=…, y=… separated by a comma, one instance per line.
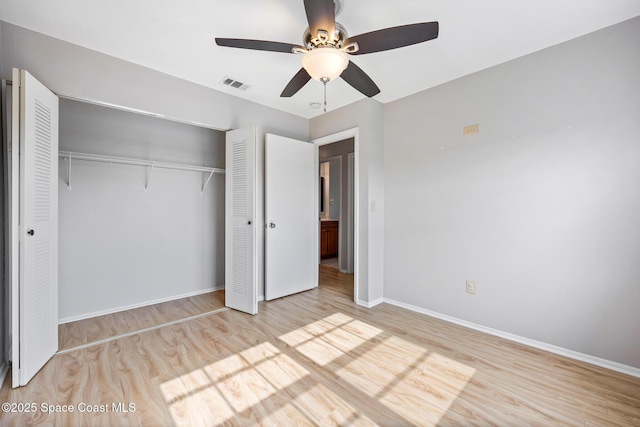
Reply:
x=177, y=38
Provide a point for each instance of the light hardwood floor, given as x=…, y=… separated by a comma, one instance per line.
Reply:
x=87, y=331
x=316, y=358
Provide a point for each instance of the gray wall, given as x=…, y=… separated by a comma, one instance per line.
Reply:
x=121, y=245
x=540, y=208
x=367, y=115
x=74, y=71
x=332, y=210
x=342, y=149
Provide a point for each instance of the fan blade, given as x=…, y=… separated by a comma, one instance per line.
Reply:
x=359, y=80
x=296, y=83
x=257, y=45
x=321, y=16
x=394, y=37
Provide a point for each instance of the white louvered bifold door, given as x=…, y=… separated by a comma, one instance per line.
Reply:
x=240, y=231
x=37, y=111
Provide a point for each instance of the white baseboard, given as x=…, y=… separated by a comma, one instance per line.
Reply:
x=137, y=305
x=604, y=363
x=370, y=304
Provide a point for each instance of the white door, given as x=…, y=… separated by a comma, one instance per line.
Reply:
x=291, y=212
x=240, y=211
x=34, y=295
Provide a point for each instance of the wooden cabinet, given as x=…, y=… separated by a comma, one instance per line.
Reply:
x=328, y=239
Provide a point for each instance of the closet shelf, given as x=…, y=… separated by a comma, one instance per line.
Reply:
x=71, y=155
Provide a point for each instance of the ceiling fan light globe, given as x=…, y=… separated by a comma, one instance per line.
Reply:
x=325, y=62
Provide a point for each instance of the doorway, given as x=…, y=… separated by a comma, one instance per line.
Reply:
x=336, y=165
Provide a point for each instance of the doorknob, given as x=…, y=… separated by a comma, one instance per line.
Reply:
x=272, y=225
x=31, y=232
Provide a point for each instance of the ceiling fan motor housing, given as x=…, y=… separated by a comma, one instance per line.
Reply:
x=324, y=39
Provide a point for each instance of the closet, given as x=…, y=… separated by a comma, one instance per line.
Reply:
x=141, y=210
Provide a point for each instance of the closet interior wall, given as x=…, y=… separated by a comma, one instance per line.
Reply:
x=122, y=245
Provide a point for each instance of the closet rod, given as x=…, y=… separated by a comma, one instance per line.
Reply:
x=136, y=162
x=69, y=155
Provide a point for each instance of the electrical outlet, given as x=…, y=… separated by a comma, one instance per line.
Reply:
x=471, y=287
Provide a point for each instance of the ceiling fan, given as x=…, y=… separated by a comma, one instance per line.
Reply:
x=326, y=46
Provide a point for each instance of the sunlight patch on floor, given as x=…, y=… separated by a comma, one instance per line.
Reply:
x=260, y=353
x=324, y=405
x=282, y=371
x=194, y=402
x=263, y=384
x=232, y=387
x=243, y=389
x=391, y=369
x=291, y=412
x=362, y=330
x=314, y=329
x=338, y=319
x=419, y=398
x=328, y=339
x=456, y=373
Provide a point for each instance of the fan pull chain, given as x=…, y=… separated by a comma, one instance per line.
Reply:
x=324, y=81
x=325, y=97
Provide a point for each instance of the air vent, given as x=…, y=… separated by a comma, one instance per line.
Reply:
x=228, y=81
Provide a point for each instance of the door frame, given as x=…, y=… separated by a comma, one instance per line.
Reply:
x=330, y=139
x=351, y=162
